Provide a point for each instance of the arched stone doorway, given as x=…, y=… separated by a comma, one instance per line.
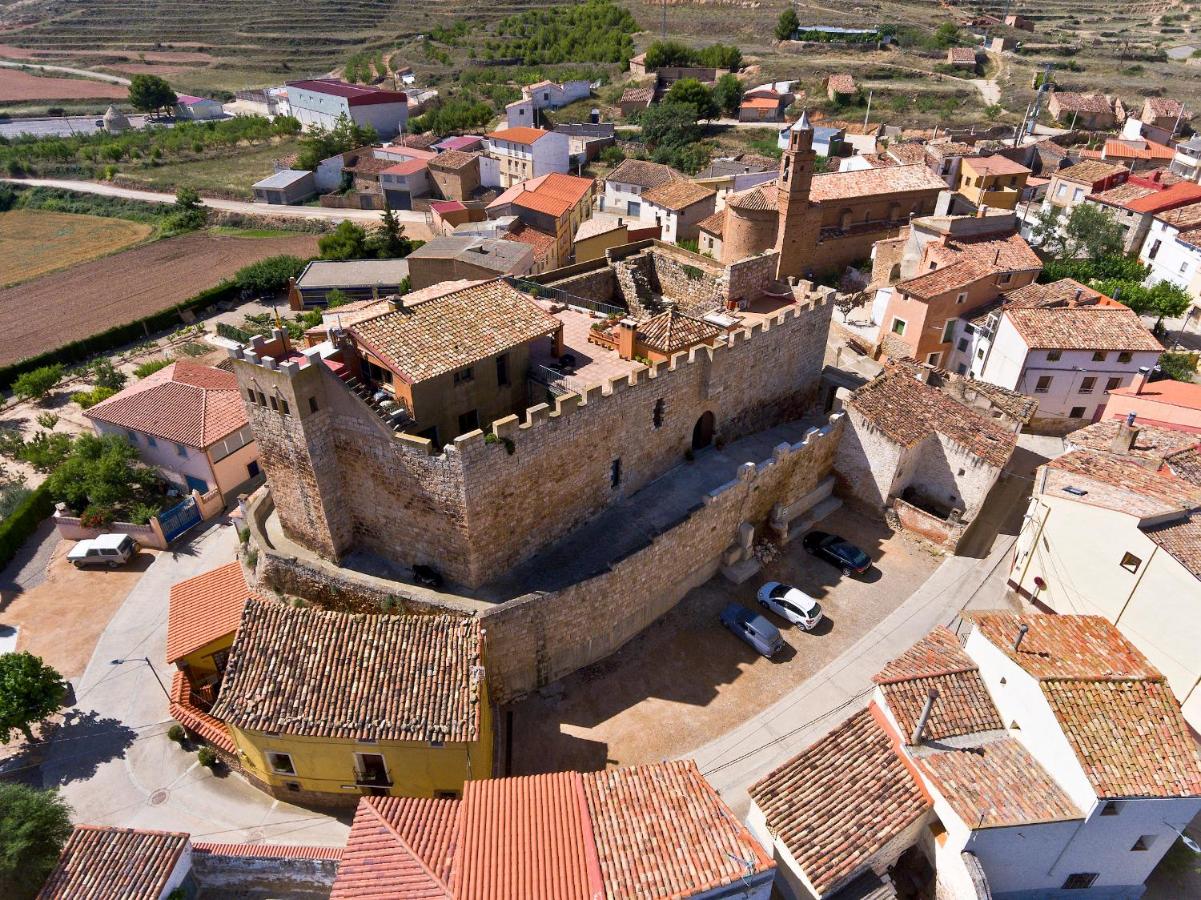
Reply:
x=702, y=431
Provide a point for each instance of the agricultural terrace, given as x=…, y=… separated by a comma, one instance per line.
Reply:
x=75, y=303
x=37, y=242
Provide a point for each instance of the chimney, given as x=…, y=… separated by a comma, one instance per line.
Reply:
x=1126, y=436
x=916, y=737
x=1140, y=380
x=1021, y=634
x=626, y=329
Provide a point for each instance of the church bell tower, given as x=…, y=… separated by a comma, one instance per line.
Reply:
x=796, y=235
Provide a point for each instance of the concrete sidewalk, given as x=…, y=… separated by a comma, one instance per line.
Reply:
x=112, y=758
x=815, y=707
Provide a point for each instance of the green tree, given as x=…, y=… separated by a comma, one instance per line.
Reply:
x=347, y=241
x=99, y=475
x=335, y=298
x=669, y=53
x=388, y=241
x=30, y=691
x=106, y=375
x=151, y=94
x=787, y=24
x=36, y=384
x=34, y=826
x=945, y=35
x=322, y=143
x=727, y=93
x=1178, y=366
x=1089, y=232
x=669, y=124
x=691, y=91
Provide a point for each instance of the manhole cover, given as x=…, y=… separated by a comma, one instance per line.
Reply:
x=255, y=835
x=159, y=797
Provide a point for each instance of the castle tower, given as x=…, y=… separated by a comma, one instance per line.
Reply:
x=799, y=222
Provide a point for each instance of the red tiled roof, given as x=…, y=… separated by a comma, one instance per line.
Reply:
x=761, y=102
x=998, y=784
x=1116, y=148
x=678, y=195
x=1141, y=491
x=266, y=851
x=841, y=84
x=1162, y=107
x=962, y=55
x=376, y=677
x=399, y=848
x=205, y=608
x=830, y=186
x=193, y=718
x=714, y=224
x=100, y=861
x=643, y=173
x=840, y=801
x=185, y=402
x=355, y=94
x=1082, y=328
x=995, y=165
x=938, y=653
x=408, y=167
x=542, y=242
x=1076, y=102
x=522, y=134
x=1087, y=647
x=556, y=194
x=1181, y=540
x=672, y=331
x=1090, y=171
x=1173, y=393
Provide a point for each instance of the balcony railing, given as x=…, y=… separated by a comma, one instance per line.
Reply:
x=372, y=779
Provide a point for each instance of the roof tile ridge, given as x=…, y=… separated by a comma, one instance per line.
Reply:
x=596, y=882
x=941, y=673
x=409, y=849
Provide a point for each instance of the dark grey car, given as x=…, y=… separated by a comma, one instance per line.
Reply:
x=753, y=628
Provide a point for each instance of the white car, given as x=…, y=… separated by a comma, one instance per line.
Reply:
x=794, y=605
x=110, y=550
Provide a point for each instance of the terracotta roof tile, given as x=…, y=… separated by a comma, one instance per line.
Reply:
x=184, y=711
x=453, y=160
x=1186, y=464
x=714, y=224
x=1007, y=254
x=520, y=135
x=1150, y=443
x=1123, y=194
x=1117, y=482
x=454, y=330
x=1083, y=647
x=962, y=55
x=672, y=331
x=1082, y=328
x=678, y=195
x=1064, y=292
x=1089, y=171
x=643, y=173
x=938, y=653
x=761, y=198
x=997, y=784
x=556, y=194
x=841, y=83
x=908, y=412
x=840, y=801
x=637, y=95
x=399, y=848
x=832, y=186
x=1129, y=737
x=330, y=674
x=1184, y=217
x=185, y=402
x=1077, y=102
x=1182, y=540
x=100, y=861
x=204, y=608
x=1179, y=194
x=266, y=851
x=1163, y=107
x=995, y=165
x=542, y=242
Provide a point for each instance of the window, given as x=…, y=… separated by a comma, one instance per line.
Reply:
x=933, y=359
x=979, y=353
x=274, y=404
x=1183, y=267
x=1099, y=355
x=469, y=421
x=1078, y=195
x=502, y=370
x=1088, y=384
x=948, y=331
x=1144, y=842
x=1110, y=809
x=1154, y=249
x=284, y=407
x=252, y=469
x=657, y=415
x=962, y=345
x=281, y=763
x=1076, y=413
x=132, y=436
x=250, y=394
x=181, y=450
x=1005, y=278
x=1080, y=881
x=1113, y=384
x=262, y=399
x=898, y=326
x=1063, y=189
x=962, y=369
x=1125, y=356
x=464, y=375
x=150, y=441
x=615, y=472
x=1054, y=355
x=1043, y=385
x=1130, y=562
x=312, y=404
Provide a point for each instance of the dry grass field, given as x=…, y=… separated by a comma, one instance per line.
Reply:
x=17, y=85
x=37, y=242
x=88, y=298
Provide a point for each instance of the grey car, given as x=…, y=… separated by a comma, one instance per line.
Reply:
x=752, y=628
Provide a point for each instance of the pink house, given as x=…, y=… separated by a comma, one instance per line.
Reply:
x=1168, y=404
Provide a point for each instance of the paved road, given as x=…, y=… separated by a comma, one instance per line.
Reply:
x=67, y=70
x=58, y=126
x=240, y=206
x=112, y=758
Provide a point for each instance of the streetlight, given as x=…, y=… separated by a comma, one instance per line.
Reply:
x=146, y=660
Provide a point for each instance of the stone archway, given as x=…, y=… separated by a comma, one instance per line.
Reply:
x=702, y=431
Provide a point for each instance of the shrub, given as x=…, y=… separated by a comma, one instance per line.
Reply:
x=106, y=375
x=270, y=275
x=787, y=24
x=207, y=757
x=48, y=420
x=176, y=733
x=37, y=384
x=22, y=521
x=244, y=535
x=88, y=399
x=34, y=826
x=45, y=451
x=612, y=155
x=252, y=557
x=150, y=367
x=102, y=474
x=194, y=348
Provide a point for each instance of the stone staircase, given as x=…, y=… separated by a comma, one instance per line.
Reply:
x=391, y=413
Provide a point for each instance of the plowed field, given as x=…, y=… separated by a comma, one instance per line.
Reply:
x=37, y=241
x=17, y=85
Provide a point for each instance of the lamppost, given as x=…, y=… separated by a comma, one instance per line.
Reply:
x=146, y=660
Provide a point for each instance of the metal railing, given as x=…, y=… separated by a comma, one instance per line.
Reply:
x=566, y=298
x=556, y=382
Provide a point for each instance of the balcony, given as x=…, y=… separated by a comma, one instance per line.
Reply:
x=372, y=779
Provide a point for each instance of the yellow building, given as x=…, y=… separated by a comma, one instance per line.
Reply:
x=324, y=707
x=992, y=181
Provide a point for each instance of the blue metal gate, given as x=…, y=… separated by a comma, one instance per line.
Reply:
x=179, y=518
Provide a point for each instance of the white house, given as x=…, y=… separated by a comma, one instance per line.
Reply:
x=1187, y=160
x=320, y=102
x=189, y=107
x=678, y=207
x=1172, y=247
x=632, y=178
x=1114, y=529
x=1045, y=755
x=545, y=95
x=1063, y=344
x=525, y=153
x=827, y=141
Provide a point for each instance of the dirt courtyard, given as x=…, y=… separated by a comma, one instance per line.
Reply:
x=686, y=680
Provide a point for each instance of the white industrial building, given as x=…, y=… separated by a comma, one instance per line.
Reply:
x=320, y=102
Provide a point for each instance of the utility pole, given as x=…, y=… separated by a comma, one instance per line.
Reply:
x=664, y=27
x=869, y=108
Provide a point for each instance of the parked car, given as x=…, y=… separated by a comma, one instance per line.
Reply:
x=110, y=550
x=794, y=605
x=752, y=628
x=841, y=554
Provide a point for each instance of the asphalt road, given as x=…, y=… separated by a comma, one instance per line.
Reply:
x=240, y=206
x=58, y=126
